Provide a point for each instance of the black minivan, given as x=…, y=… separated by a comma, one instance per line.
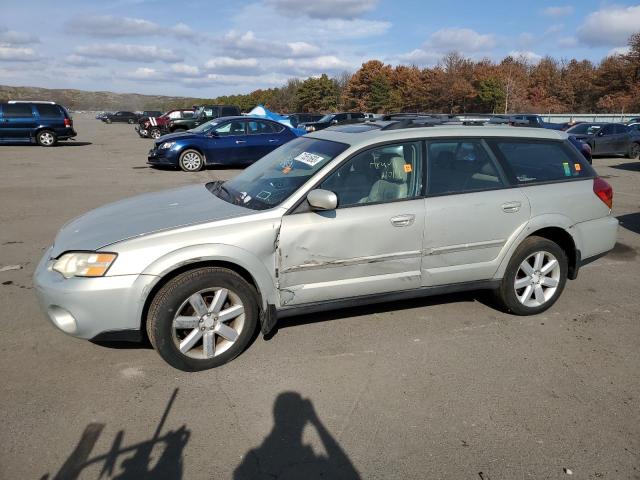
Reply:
x=41, y=122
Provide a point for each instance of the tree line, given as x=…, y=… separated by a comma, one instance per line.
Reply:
x=458, y=84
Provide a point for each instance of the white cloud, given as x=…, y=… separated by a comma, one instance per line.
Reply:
x=561, y=11
x=228, y=65
x=186, y=70
x=461, y=39
x=16, y=38
x=111, y=26
x=80, y=61
x=610, y=26
x=324, y=9
x=128, y=53
x=527, y=55
x=554, y=29
x=182, y=30
x=329, y=64
x=618, y=51
x=420, y=57
x=17, y=54
x=248, y=44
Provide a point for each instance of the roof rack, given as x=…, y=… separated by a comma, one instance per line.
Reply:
x=32, y=101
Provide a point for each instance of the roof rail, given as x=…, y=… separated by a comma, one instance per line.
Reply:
x=32, y=101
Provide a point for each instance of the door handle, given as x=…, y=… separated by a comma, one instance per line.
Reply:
x=402, y=220
x=238, y=142
x=272, y=141
x=511, y=207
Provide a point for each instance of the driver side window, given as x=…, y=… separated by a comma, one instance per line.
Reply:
x=383, y=174
x=230, y=129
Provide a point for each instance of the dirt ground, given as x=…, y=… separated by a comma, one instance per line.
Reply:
x=443, y=387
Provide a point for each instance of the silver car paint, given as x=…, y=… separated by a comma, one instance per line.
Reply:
x=291, y=262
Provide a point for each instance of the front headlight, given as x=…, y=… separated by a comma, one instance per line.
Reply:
x=84, y=264
x=310, y=128
x=166, y=145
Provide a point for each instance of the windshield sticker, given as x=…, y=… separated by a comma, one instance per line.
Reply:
x=263, y=195
x=578, y=167
x=407, y=168
x=286, y=170
x=567, y=170
x=309, y=158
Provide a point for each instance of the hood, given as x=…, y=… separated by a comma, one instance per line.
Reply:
x=143, y=215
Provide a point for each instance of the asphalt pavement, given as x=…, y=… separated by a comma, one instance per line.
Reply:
x=438, y=388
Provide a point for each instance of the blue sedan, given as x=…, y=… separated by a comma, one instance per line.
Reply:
x=223, y=141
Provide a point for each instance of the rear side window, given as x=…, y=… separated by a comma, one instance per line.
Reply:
x=621, y=129
x=46, y=110
x=18, y=110
x=458, y=166
x=527, y=162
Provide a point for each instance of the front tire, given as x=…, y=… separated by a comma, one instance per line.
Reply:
x=634, y=151
x=155, y=133
x=191, y=161
x=535, y=277
x=203, y=318
x=46, y=138
x=131, y=121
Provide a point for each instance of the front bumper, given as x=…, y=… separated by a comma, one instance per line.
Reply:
x=91, y=307
x=162, y=157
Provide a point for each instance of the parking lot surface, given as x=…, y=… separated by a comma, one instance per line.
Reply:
x=442, y=387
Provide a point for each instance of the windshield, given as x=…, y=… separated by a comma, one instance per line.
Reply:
x=327, y=118
x=206, y=127
x=584, y=128
x=273, y=178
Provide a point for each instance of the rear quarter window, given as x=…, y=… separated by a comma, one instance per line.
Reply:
x=46, y=110
x=538, y=161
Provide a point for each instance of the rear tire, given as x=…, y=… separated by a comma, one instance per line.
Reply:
x=534, y=279
x=191, y=161
x=634, y=151
x=46, y=138
x=208, y=305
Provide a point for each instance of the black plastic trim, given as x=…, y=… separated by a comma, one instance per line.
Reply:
x=129, y=335
x=386, y=297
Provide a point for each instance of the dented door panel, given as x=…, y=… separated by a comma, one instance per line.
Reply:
x=350, y=252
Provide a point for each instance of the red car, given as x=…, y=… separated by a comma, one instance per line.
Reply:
x=151, y=127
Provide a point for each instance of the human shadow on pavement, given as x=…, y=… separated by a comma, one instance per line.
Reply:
x=282, y=454
x=140, y=464
x=630, y=221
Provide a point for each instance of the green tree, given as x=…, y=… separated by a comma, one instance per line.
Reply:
x=317, y=95
x=491, y=94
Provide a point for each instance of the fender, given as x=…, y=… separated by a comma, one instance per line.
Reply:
x=537, y=223
x=223, y=253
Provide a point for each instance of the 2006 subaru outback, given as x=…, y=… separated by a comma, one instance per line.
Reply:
x=353, y=214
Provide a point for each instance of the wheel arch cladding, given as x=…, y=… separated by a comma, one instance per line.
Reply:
x=566, y=242
x=180, y=269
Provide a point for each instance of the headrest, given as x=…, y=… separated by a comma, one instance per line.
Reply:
x=398, y=173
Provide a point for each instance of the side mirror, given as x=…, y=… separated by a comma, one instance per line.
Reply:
x=213, y=133
x=334, y=122
x=322, y=199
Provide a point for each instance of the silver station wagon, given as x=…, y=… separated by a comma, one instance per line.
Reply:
x=349, y=215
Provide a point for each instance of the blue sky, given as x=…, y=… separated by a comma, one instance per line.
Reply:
x=210, y=48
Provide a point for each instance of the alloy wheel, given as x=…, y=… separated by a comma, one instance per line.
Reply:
x=537, y=279
x=155, y=134
x=46, y=138
x=191, y=161
x=208, y=323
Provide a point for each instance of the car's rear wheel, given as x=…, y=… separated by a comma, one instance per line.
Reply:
x=202, y=318
x=46, y=138
x=634, y=151
x=535, y=277
x=155, y=133
x=191, y=161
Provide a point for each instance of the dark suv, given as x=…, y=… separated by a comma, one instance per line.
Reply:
x=41, y=122
x=122, y=117
x=202, y=114
x=331, y=119
x=608, y=138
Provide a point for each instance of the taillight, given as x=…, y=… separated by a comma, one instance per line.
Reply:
x=68, y=122
x=604, y=191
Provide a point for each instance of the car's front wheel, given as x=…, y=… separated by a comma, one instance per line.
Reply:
x=131, y=121
x=191, y=161
x=203, y=318
x=634, y=151
x=535, y=277
x=155, y=133
x=46, y=138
